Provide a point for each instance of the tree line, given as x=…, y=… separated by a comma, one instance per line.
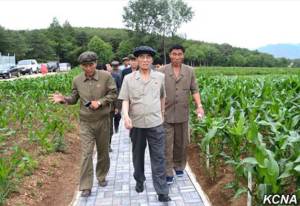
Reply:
x=64, y=43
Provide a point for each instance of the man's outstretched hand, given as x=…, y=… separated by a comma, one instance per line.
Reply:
x=57, y=98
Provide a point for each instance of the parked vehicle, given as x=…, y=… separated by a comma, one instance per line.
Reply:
x=28, y=66
x=53, y=66
x=63, y=67
x=9, y=71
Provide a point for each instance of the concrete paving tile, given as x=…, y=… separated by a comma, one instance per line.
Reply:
x=121, y=184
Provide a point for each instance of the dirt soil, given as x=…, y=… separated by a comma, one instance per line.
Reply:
x=55, y=181
x=215, y=191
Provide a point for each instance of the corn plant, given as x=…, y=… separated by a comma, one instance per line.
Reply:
x=257, y=122
x=26, y=111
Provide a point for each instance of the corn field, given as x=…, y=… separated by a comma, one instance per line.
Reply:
x=28, y=120
x=252, y=124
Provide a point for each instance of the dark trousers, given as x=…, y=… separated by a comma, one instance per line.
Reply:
x=114, y=123
x=156, y=141
x=117, y=118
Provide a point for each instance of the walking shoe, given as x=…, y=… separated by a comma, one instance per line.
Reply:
x=85, y=193
x=139, y=187
x=164, y=198
x=102, y=183
x=170, y=180
x=179, y=173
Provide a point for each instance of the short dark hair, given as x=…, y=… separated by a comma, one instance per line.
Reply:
x=177, y=46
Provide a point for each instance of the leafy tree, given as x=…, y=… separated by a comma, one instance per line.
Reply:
x=142, y=15
x=125, y=47
x=62, y=40
x=101, y=48
x=283, y=62
x=81, y=38
x=65, y=43
x=194, y=54
x=17, y=44
x=40, y=47
x=161, y=17
x=254, y=60
x=236, y=59
x=4, y=42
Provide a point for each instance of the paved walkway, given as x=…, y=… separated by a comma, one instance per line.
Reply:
x=121, y=184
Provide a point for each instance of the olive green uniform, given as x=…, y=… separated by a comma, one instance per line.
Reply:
x=94, y=124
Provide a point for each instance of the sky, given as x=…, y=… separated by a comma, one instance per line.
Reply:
x=242, y=23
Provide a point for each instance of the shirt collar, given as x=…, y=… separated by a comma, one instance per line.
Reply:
x=138, y=74
x=94, y=77
x=171, y=72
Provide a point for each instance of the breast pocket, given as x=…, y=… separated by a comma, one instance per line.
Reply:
x=155, y=90
x=135, y=93
x=184, y=95
x=98, y=91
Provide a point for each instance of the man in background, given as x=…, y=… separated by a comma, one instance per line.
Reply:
x=133, y=66
x=115, y=114
x=125, y=64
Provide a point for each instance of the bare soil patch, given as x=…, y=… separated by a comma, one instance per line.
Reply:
x=55, y=181
x=217, y=194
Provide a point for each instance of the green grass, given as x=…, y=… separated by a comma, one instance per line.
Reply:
x=246, y=71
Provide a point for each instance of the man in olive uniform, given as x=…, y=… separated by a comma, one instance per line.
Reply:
x=96, y=90
x=143, y=95
x=180, y=81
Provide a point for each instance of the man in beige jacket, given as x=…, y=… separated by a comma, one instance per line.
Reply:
x=180, y=82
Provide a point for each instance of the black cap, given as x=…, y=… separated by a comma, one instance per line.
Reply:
x=144, y=50
x=87, y=57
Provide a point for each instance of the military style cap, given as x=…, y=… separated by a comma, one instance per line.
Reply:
x=125, y=58
x=131, y=57
x=115, y=63
x=87, y=57
x=144, y=50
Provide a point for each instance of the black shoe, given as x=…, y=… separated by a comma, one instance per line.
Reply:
x=170, y=180
x=139, y=187
x=179, y=173
x=85, y=193
x=102, y=183
x=164, y=198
